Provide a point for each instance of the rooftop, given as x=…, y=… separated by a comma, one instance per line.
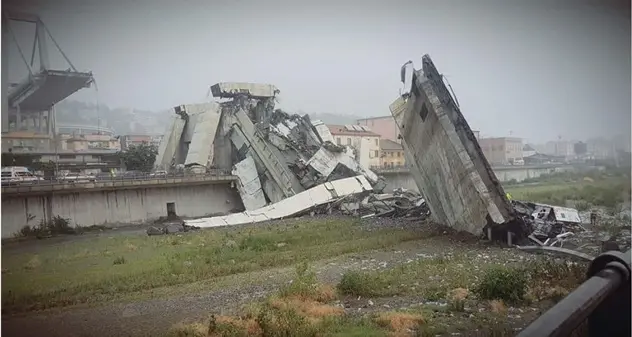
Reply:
x=379, y=117
x=510, y=139
x=351, y=130
x=389, y=145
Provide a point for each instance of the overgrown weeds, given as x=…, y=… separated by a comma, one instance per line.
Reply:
x=358, y=283
x=502, y=283
x=163, y=261
x=58, y=225
x=544, y=279
x=299, y=309
x=431, y=278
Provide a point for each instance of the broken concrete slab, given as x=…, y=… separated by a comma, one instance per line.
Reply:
x=298, y=203
x=249, y=185
x=447, y=163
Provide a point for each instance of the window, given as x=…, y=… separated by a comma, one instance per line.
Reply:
x=377, y=153
x=348, y=140
x=399, y=154
x=377, y=142
x=424, y=112
x=338, y=140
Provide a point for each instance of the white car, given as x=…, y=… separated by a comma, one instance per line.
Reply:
x=73, y=177
x=18, y=175
x=159, y=174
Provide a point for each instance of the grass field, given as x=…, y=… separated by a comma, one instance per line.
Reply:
x=606, y=191
x=105, y=268
x=456, y=297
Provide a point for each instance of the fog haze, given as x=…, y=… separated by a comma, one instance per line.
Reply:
x=529, y=68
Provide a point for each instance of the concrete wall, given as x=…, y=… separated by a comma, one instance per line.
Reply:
x=405, y=180
x=112, y=208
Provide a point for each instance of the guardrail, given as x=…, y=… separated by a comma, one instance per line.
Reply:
x=598, y=307
x=82, y=178
x=115, y=183
x=495, y=167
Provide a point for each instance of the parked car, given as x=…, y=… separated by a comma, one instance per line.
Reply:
x=159, y=174
x=74, y=177
x=105, y=176
x=18, y=175
x=134, y=175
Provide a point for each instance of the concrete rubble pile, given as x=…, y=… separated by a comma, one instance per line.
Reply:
x=400, y=203
x=276, y=156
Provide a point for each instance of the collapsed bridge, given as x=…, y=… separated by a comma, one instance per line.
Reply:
x=445, y=159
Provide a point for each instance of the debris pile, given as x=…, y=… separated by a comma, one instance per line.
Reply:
x=275, y=155
x=285, y=164
x=400, y=203
x=563, y=230
x=171, y=227
x=549, y=225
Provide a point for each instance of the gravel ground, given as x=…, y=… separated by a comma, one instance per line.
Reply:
x=155, y=316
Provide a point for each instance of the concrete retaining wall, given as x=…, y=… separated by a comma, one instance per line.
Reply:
x=113, y=208
x=405, y=180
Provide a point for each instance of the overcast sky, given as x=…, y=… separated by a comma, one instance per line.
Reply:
x=530, y=68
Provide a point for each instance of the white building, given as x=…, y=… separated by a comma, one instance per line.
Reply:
x=560, y=148
x=364, y=142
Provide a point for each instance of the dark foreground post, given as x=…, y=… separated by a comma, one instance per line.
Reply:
x=598, y=307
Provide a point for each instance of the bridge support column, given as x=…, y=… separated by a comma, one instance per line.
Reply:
x=5, y=76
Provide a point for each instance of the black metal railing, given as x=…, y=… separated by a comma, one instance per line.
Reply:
x=598, y=307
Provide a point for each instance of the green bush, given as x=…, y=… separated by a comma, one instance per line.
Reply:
x=502, y=283
x=358, y=284
x=56, y=226
x=119, y=260
x=304, y=285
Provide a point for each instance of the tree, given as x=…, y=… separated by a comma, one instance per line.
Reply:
x=139, y=157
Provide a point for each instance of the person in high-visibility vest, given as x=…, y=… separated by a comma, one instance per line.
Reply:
x=509, y=196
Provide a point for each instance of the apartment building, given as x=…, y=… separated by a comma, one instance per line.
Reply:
x=391, y=154
x=128, y=140
x=560, y=148
x=26, y=141
x=364, y=142
x=384, y=126
x=92, y=142
x=502, y=150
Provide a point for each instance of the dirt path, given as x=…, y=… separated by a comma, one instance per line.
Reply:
x=155, y=316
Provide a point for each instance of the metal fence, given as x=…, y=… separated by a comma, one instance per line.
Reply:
x=82, y=178
x=598, y=307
